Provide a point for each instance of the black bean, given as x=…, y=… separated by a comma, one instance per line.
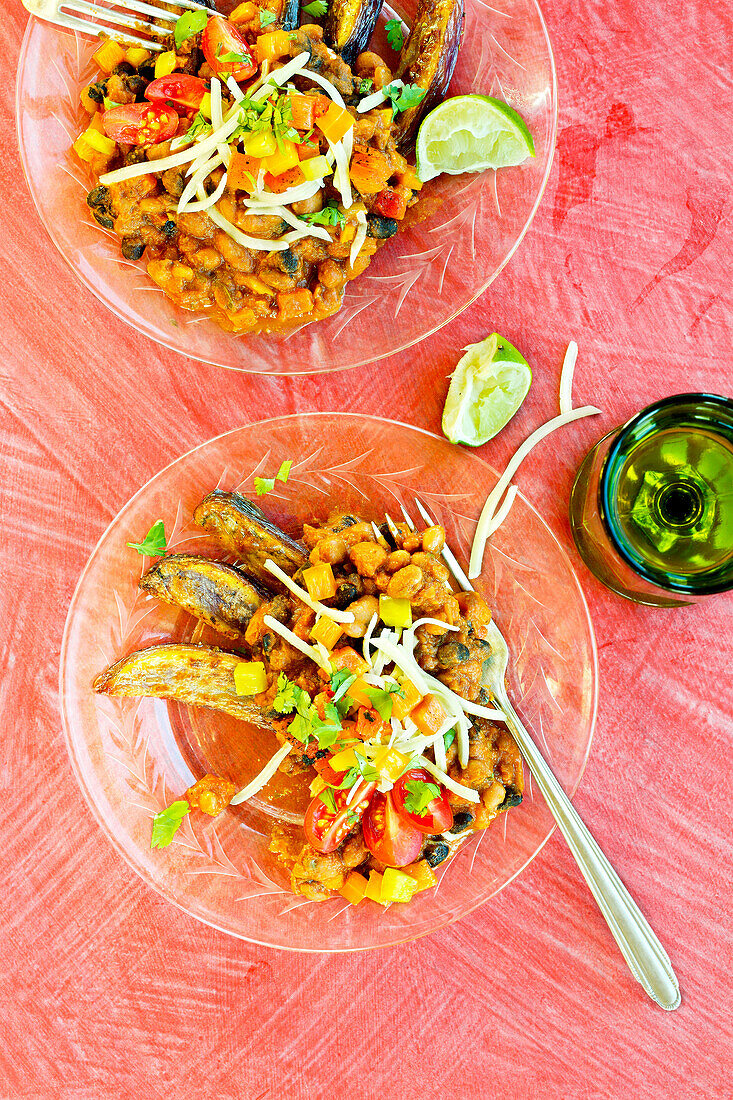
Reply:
x=511, y=798
x=436, y=853
x=97, y=91
x=98, y=202
x=346, y=593
x=461, y=822
x=380, y=227
x=288, y=261
x=267, y=643
x=169, y=229
x=452, y=653
x=132, y=248
x=343, y=523
x=124, y=69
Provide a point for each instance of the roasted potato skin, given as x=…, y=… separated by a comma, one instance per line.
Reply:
x=349, y=26
x=243, y=530
x=215, y=593
x=202, y=676
x=428, y=59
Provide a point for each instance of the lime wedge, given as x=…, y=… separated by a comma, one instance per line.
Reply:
x=470, y=133
x=487, y=387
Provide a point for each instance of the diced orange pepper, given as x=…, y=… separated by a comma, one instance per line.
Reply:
x=346, y=657
x=307, y=150
x=370, y=726
x=403, y=704
x=284, y=159
x=327, y=632
x=369, y=169
x=355, y=888
x=358, y=692
x=423, y=874
x=301, y=110
x=294, y=304
x=320, y=581
x=242, y=173
x=374, y=887
x=409, y=178
x=283, y=182
x=336, y=122
x=270, y=46
x=244, y=13
x=347, y=234
x=429, y=715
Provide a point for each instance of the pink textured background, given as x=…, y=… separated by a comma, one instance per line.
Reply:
x=108, y=991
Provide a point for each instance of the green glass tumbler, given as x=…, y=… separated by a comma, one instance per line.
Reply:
x=651, y=508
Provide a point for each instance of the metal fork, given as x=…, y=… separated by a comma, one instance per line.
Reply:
x=644, y=954
x=117, y=17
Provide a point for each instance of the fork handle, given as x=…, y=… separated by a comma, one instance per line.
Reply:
x=644, y=954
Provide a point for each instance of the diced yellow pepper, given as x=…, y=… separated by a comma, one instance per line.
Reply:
x=374, y=887
x=336, y=123
x=90, y=105
x=327, y=632
x=165, y=64
x=316, y=168
x=397, y=886
x=109, y=55
x=354, y=889
x=391, y=763
x=250, y=678
x=342, y=761
x=99, y=141
x=403, y=704
x=347, y=234
x=317, y=786
x=423, y=874
x=320, y=582
x=243, y=13
x=410, y=178
x=270, y=46
x=97, y=122
x=137, y=56
x=397, y=613
x=83, y=151
x=284, y=159
x=261, y=144
x=205, y=107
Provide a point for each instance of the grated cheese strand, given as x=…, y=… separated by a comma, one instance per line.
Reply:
x=489, y=508
x=194, y=152
x=566, y=378
x=375, y=98
x=504, y=511
x=209, y=201
x=243, y=238
x=296, y=642
x=304, y=597
x=361, y=233
x=263, y=778
x=282, y=75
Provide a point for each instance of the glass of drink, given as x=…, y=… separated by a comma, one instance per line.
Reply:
x=652, y=505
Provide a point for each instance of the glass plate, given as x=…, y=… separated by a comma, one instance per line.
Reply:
x=464, y=230
x=132, y=757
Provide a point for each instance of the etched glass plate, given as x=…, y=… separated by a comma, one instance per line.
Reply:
x=132, y=757
x=458, y=239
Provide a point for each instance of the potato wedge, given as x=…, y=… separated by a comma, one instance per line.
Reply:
x=211, y=591
x=243, y=530
x=199, y=675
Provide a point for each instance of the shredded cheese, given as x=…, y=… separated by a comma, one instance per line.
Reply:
x=262, y=201
x=487, y=514
x=566, y=378
x=304, y=597
x=439, y=751
x=264, y=776
x=332, y=90
x=209, y=201
x=243, y=238
x=341, y=177
x=194, y=152
x=296, y=642
x=463, y=792
x=504, y=511
x=217, y=119
x=375, y=98
x=360, y=237
x=368, y=637
x=282, y=75
x=196, y=181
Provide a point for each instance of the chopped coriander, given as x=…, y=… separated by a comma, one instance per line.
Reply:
x=267, y=17
x=167, y=823
x=449, y=738
x=317, y=8
x=153, y=545
x=231, y=58
x=190, y=23
x=267, y=484
x=287, y=695
x=199, y=126
x=395, y=37
x=419, y=796
x=402, y=99
x=328, y=799
x=382, y=701
x=341, y=681
x=349, y=779
x=367, y=769
x=365, y=85
x=307, y=723
x=330, y=215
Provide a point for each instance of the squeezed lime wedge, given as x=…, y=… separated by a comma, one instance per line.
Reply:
x=470, y=133
x=487, y=388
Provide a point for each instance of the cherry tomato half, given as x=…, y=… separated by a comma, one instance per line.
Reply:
x=388, y=836
x=438, y=816
x=179, y=89
x=226, y=51
x=140, y=123
x=324, y=829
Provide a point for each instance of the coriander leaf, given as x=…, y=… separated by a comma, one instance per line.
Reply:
x=300, y=728
x=402, y=99
x=365, y=85
x=328, y=799
x=167, y=822
x=349, y=779
x=317, y=8
x=449, y=738
x=419, y=796
x=267, y=484
x=199, y=126
x=153, y=545
x=341, y=681
x=286, y=698
x=330, y=215
x=284, y=472
x=381, y=701
x=267, y=17
x=395, y=37
x=367, y=769
x=332, y=714
x=189, y=24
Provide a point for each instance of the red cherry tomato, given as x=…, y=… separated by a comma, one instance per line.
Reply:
x=226, y=51
x=140, y=123
x=438, y=816
x=326, y=829
x=388, y=836
x=179, y=89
